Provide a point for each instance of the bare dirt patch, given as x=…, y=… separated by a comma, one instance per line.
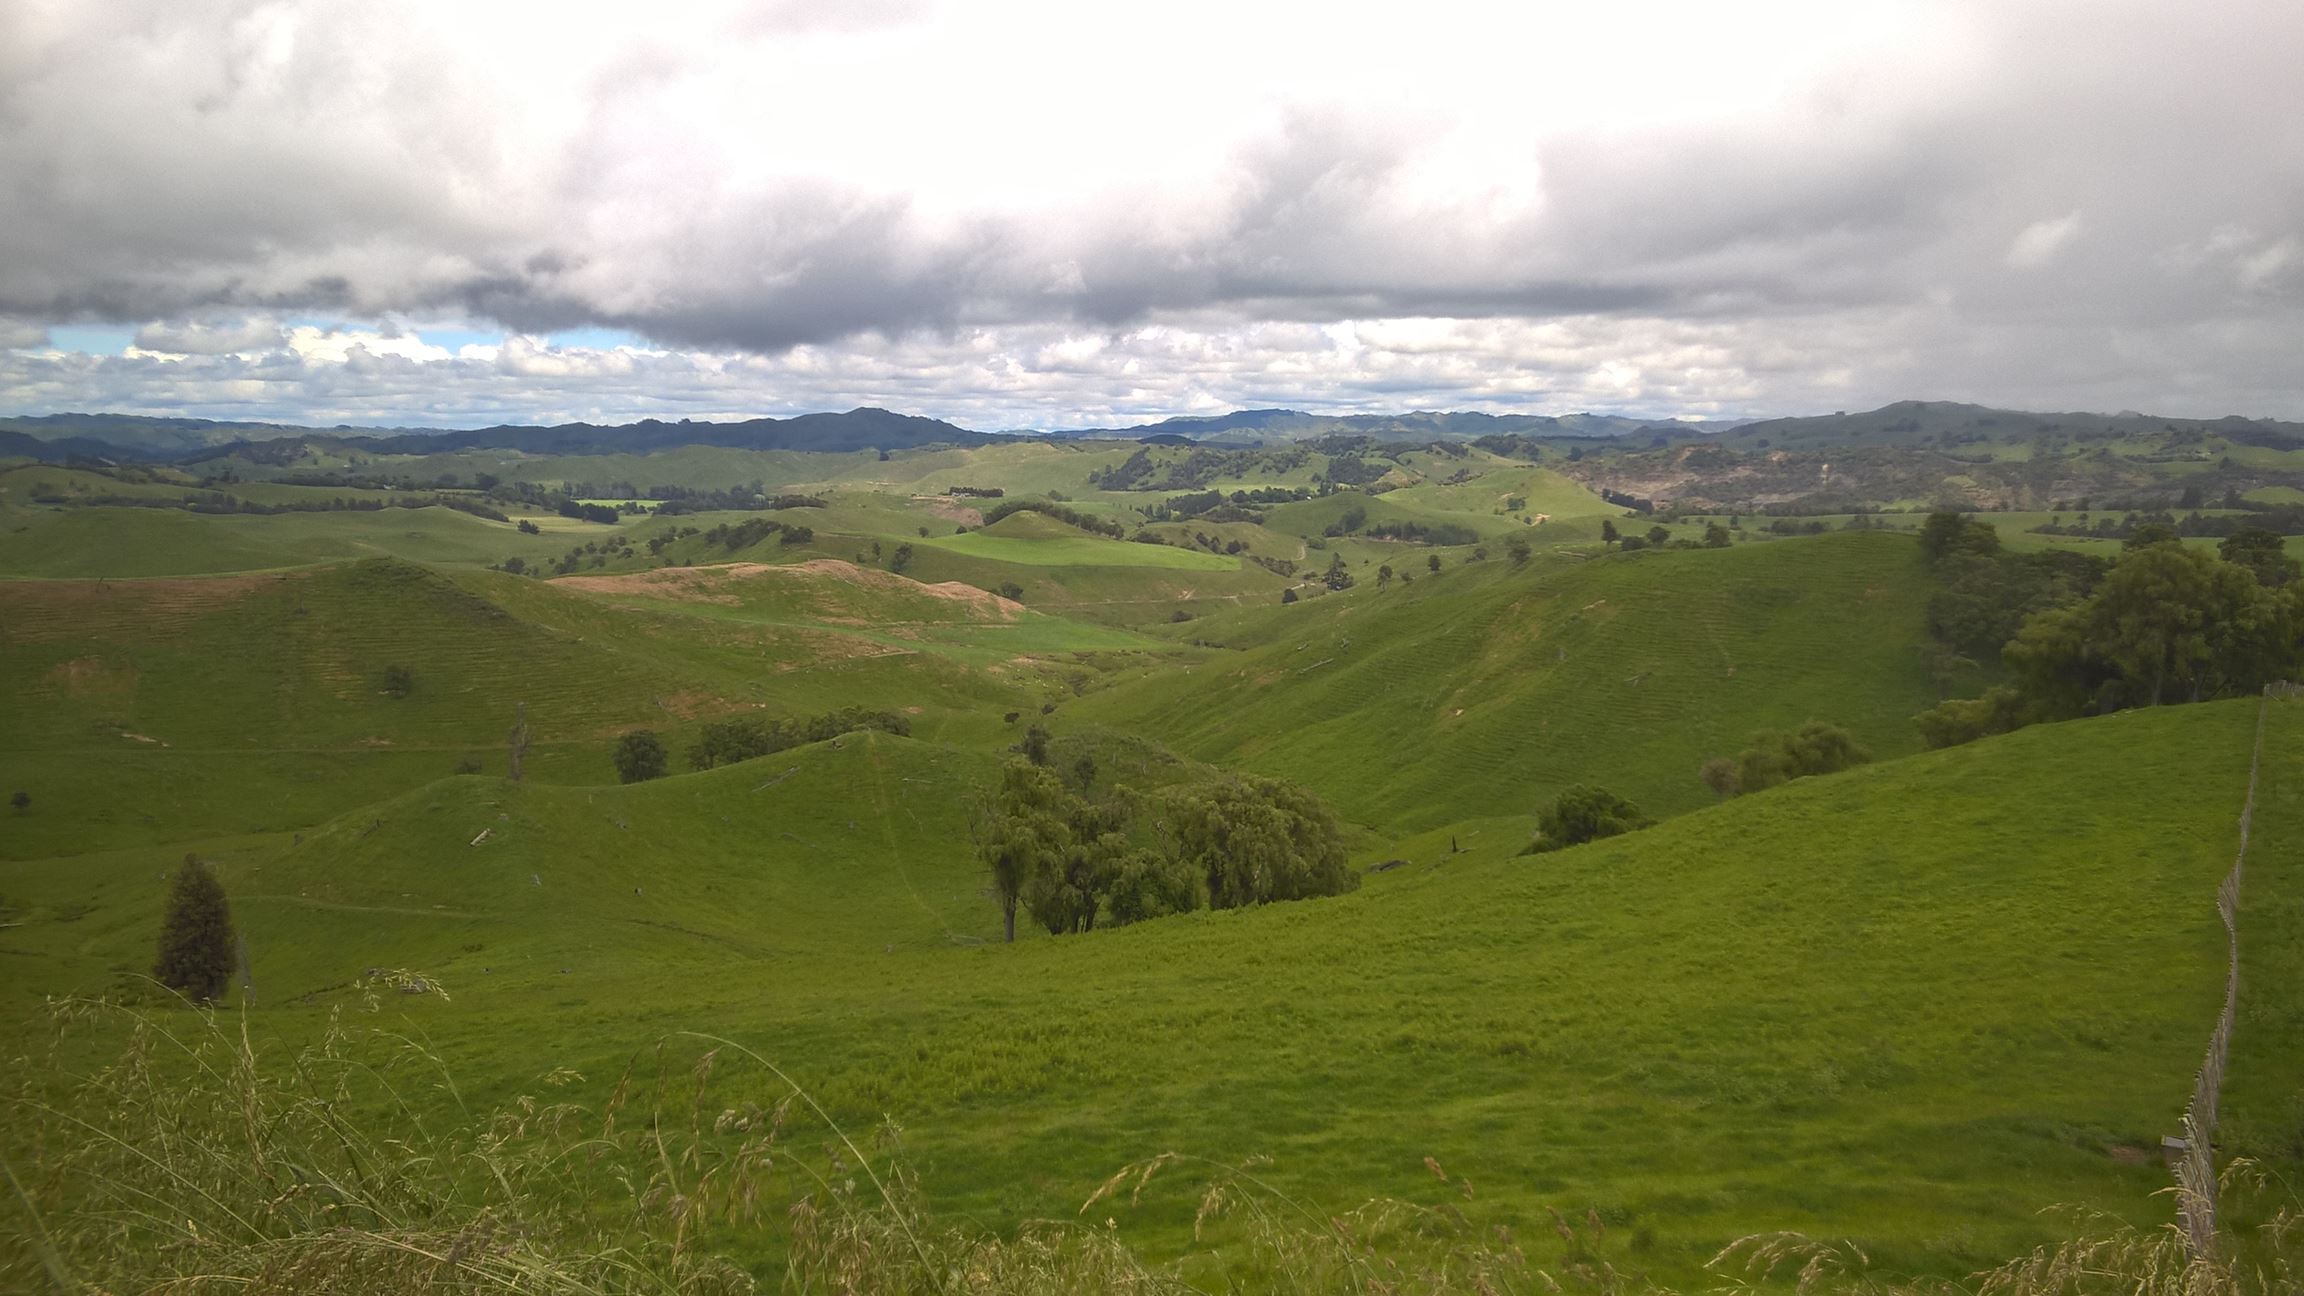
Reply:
x=950, y=509
x=981, y=600
x=680, y=584
x=693, y=703
x=717, y=585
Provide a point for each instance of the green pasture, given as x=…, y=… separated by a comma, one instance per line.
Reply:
x=1488, y=687
x=1840, y=1006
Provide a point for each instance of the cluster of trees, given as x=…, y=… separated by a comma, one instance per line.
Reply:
x=1351, y=470
x=1777, y=758
x=681, y=499
x=1514, y=445
x=1060, y=512
x=1987, y=595
x=1216, y=506
x=582, y=512
x=1069, y=859
x=1716, y=536
x=1434, y=533
x=976, y=492
x=733, y=536
x=1199, y=466
x=2165, y=623
x=1217, y=544
x=724, y=742
x=2285, y=520
x=591, y=553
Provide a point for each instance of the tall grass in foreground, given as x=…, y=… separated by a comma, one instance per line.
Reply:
x=197, y=1163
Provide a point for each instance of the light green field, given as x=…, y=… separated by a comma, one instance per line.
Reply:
x=1832, y=1007
x=1488, y=688
x=134, y=542
x=161, y=708
x=1080, y=550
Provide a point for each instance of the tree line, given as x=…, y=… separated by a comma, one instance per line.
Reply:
x=2165, y=623
x=1061, y=512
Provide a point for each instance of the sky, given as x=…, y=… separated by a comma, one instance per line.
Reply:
x=1015, y=213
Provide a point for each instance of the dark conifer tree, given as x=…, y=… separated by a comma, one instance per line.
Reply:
x=197, y=952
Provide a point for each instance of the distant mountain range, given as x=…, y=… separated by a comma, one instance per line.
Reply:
x=133, y=436
x=59, y=437
x=1265, y=426
x=1913, y=423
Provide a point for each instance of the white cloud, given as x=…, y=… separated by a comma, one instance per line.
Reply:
x=2041, y=241
x=1059, y=376
x=1004, y=186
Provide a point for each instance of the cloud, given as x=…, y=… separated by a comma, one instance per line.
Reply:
x=19, y=334
x=750, y=180
x=2040, y=241
x=1049, y=376
x=206, y=338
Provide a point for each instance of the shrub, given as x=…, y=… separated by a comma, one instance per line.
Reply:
x=639, y=756
x=1582, y=814
x=724, y=742
x=1815, y=748
x=1961, y=720
x=197, y=949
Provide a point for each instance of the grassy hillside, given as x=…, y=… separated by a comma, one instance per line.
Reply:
x=136, y=542
x=164, y=709
x=1488, y=688
x=1909, y=1005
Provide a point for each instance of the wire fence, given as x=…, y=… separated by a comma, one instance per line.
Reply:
x=2195, y=1163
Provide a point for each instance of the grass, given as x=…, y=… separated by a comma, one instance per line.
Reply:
x=160, y=710
x=1488, y=688
x=136, y=542
x=1907, y=1005
x=1080, y=551
x=1837, y=1007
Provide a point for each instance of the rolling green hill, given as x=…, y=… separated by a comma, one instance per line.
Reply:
x=161, y=709
x=1487, y=688
x=1908, y=1005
